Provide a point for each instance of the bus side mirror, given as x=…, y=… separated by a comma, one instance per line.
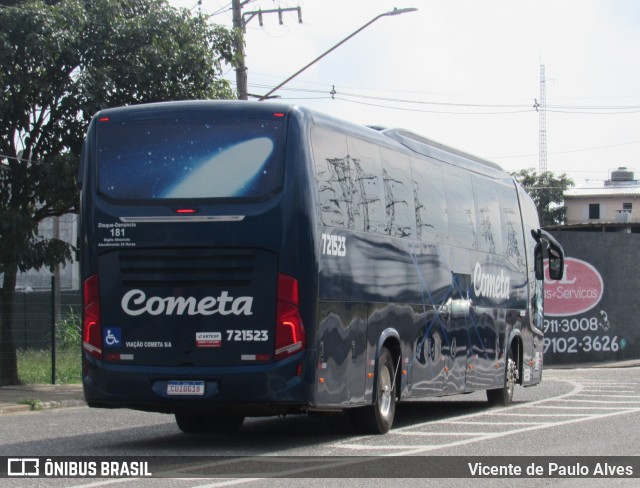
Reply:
x=556, y=263
x=554, y=251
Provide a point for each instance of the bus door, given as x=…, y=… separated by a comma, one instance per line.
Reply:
x=455, y=352
x=428, y=368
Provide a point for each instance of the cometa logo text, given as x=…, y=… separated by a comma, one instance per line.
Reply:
x=490, y=285
x=135, y=302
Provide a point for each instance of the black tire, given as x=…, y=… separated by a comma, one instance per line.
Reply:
x=378, y=418
x=190, y=423
x=503, y=397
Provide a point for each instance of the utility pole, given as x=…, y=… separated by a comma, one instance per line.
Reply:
x=239, y=24
x=241, y=69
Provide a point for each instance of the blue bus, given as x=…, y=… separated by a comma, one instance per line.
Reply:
x=252, y=259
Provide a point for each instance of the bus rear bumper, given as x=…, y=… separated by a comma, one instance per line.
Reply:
x=272, y=389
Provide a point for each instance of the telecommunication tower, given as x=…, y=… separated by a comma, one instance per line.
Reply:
x=541, y=107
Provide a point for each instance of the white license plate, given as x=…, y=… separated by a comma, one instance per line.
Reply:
x=185, y=388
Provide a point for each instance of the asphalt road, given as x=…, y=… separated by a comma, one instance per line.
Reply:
x=581, y=412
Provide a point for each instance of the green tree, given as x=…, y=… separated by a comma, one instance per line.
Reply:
x=546, y=190
x=60, y=62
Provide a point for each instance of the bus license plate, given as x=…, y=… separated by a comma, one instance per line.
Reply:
x=185, y=388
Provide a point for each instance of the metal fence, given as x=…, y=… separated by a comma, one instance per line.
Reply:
x=37, y=314
x=46, y=327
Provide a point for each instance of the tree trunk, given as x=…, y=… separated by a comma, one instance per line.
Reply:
x=8, y=356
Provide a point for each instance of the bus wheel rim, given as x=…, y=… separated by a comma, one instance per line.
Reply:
x=385, y=391
x=511, y=376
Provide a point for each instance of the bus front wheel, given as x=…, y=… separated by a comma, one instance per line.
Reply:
x=504, y=396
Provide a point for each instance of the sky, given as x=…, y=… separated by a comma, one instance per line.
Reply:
x=465, y=73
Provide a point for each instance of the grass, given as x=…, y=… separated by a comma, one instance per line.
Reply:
x=34, y=404
x=34, y=366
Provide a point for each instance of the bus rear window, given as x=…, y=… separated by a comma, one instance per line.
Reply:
x=189, y=158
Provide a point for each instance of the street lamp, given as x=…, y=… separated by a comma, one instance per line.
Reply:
x=395, y=11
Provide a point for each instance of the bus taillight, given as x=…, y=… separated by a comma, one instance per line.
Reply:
x=290, y=335
x=91, y=326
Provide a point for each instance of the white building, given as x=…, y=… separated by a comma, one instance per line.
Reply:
x=614, y=207
x=69, y=275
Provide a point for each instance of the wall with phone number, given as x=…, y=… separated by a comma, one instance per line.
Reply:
x=592, y=315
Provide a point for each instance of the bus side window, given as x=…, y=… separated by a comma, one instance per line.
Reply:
x=367, y=193
x=513, y=245
x=461, y=208
x=332, y=166
x=487, y=215
x=398, y=193
x=430, y=202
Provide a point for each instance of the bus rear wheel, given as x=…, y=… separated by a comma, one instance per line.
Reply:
x=503, y=397
x=190, y=423
x=378, y=418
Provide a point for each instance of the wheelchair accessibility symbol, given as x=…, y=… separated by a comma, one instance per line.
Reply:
x=111, y=337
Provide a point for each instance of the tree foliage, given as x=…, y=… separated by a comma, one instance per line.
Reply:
x=60, y=62
x=546, y=190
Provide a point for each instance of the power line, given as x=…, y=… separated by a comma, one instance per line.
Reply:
x=524, y=100
x=22, y=160
x=608, y=146
x=603, y=111
x=221, y=10
x=6, y=156
x=335, y=95
x=444, y=112
x=521, y=107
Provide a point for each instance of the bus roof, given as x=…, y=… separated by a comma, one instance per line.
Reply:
x=417, y=144
x=398, y=138
x=165, y=108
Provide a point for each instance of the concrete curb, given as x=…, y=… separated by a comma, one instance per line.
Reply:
x=36, y=397
x=14, y=408
x=37, y=405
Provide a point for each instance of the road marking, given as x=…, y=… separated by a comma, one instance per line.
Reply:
x=423, y=449
x=106, y=482
x=441, y=434
x=607, y=395
x=237, y=481
x=611, y=402
x=607, y=384
x=620, y=408
x=611, y=390
x=464, y=438
x=497, y=423
x=545, y=415
x=386, y=448
x=560, y=407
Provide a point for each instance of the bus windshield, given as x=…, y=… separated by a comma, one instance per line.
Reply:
x=189, y=158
